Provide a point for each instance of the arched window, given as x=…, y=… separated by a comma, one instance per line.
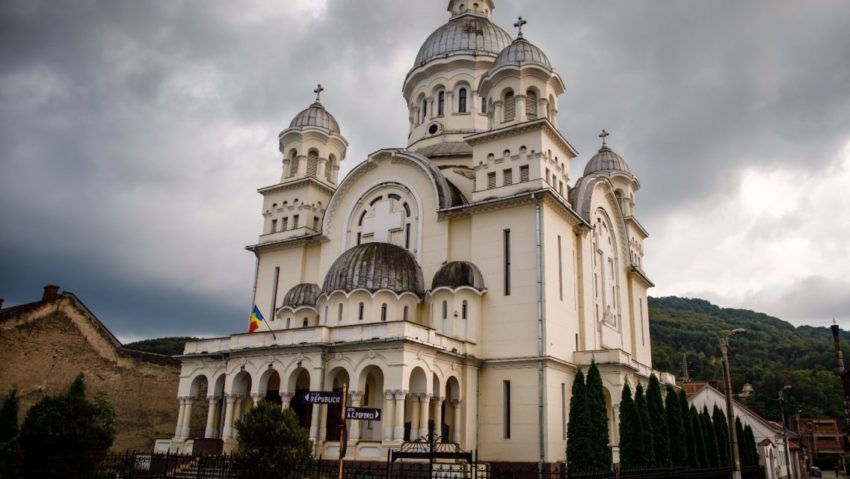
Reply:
x=326, y=315
x=531, y=104
x=305, y=323
x=339, y=313
x=360, y=312
x=312, y=163
x=510, y=106
x=384, y=312
x=483, y=105
x=463, y=310
x=287, y=322
x=404, y=317
x=424, y=110
x=441, y=103
x=445, y=310
x=461, y=100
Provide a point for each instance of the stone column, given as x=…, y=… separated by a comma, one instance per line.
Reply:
x=285, y=399
x=354, y=430
x=414, y=416
x=398, y=432
x=438, y=416
x=321, y=169
x=449, y=107
x=209, y=432
x=424, y=413
x=257, y=397
x=230, y=402
x=520, y=107
x=187, y=418
x=429, y=109
x=181, y=413
x=387, y=420
x=314, y=422
x=456, y=421
x=498, y=115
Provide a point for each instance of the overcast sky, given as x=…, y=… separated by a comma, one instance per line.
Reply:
x=133, y=136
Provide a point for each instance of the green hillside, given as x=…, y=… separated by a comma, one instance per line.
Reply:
x=770, y=354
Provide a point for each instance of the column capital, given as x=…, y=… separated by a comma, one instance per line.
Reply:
x=213, y=398
x=439, y=399
x=355, y=395
x=389, y=394
x=425, y=397
x=232, y=398
x=400, y=393
x=455, y=402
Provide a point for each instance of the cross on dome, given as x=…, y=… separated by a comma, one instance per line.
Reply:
x=318, y=91
x=519, y=24
x=604, y=135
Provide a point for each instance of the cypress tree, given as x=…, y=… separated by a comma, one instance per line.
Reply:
x=660, y=431
x=690, y=437
x=699, y=437
x=629, y=431
x=751, y=446
x=578, y=427
x=645, y=429
x=742, y=448
x=721, y=432
x=711, y=452
x=600, y=453
x=9, y=417
x=676, y=429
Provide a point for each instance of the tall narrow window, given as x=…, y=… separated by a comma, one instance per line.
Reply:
x=560, y=271
x=315, y=223
x=510, y=107
x=463, y=309
x=274, y=226
x=339, y=313
x=406, y=236
x=506, y=406
x=326, y=315
x=461, y=100
x=445, y=310
x=564, y=410
x=491, y=180
x=285, y=224
x=424, y=110
x=274, y=290
x=404, y=314
x=294, y=221
x=360, y=312
x=523, y=173
x=484, y=105
x=507, y=260
x=305, y=323
x=359, y=237
x=287, y=322
x=642, y=333
x=441, y=103
x=384, y=312
x=508, y=176
x=531, y=104
x=312, y=163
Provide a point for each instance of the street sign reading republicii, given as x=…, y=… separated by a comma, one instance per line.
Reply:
x=323, y=397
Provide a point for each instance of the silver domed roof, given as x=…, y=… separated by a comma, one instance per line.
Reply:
x=375, y=266
x=458, y=273
x=522, y=51
x=606, y=160
x=304, y=294
x=469, y=34
x=315, y=115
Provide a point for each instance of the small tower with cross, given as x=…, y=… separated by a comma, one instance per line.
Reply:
x=312, y=149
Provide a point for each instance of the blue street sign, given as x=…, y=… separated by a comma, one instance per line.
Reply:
x=323, y=397
x=363, y=414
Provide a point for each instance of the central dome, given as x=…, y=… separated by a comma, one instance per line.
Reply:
x=466, y=34
x=373, y=267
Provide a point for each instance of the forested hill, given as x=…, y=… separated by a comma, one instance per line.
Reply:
x=770, y=354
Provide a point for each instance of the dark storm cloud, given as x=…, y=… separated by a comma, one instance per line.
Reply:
x=133, y=134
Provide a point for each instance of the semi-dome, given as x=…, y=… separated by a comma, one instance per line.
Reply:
x=521, y=51
x=304, y=294
x=315, y=115
x=375, y=266
x=458, y=273
x=465, y=34
x=606, y=160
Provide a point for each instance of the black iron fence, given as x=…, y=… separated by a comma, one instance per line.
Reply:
x=171, y=466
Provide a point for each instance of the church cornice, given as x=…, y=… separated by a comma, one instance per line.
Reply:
x=520, y=128
x=640, y=275
x=288, y=185
x=546, y=195
x=285, y=243
x=634, y=222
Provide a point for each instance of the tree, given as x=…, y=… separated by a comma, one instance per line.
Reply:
x=711, y=453
x=9, y=435
x=629, y=432
x=660, y=431
x=578, y=427
x=600, y=453
x=743, y=456
x=752, y=448
x=272, y=445
x=690, y=437
x=676, y=429
x=645, y=431
x=699, y=437
x=721, y=433
x=66, y=436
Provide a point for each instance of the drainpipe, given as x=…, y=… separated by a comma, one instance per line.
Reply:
x=540, y=335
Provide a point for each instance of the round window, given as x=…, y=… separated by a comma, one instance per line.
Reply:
x=433, y=129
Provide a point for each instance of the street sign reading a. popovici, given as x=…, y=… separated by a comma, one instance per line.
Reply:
x=362, y=414
x=323, y=397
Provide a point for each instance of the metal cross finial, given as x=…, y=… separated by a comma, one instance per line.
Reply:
x=318, y=91
x=519, y=25
x=604, y=135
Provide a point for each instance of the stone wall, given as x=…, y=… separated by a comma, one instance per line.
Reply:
x=44, y=345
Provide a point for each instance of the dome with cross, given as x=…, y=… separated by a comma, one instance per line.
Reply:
x=315, y=116
x=606, y=159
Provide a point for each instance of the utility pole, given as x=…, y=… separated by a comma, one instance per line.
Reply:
x=730, y=412
x=343, y=439
x=784, y=429
x=843, y=375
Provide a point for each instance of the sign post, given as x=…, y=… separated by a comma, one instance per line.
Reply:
x=343, y=439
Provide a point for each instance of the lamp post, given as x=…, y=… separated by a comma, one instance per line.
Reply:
x=730, y=413
x=784, y=430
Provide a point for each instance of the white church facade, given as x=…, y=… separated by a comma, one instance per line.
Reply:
x=463, y=279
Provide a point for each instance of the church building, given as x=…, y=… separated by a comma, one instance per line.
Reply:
x=463, y=279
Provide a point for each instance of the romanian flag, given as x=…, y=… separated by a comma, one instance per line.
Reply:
x=256, y=319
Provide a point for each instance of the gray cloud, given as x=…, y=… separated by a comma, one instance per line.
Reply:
x=133, y=134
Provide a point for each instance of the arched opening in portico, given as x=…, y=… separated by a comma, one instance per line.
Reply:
x=372, y=391
x=241, y=390
x=270, y=386
x=413, y=410
x=451, y=411
x=299, y=384
x=339, y=378
x=215, y=423
x=194, y=420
